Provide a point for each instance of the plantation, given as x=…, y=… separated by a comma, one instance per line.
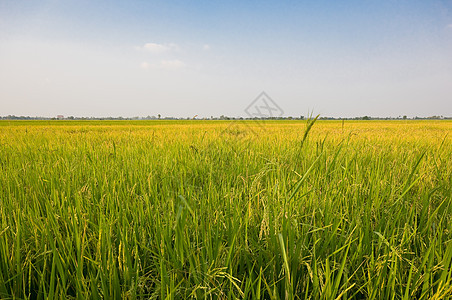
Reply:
x=225, y=210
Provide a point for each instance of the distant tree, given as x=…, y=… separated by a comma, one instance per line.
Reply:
x=159, y=115
x=404, y=117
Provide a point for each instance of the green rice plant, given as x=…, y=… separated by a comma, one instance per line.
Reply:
x=200, y=209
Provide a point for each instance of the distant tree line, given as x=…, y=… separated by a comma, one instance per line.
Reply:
x=222, y=117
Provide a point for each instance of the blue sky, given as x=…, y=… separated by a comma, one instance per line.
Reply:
x=212, y=58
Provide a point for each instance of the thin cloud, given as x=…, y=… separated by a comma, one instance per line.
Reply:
x=206, y=47
x=174, y=64
x=449, y=26
x=145, y=65
x=158, y=48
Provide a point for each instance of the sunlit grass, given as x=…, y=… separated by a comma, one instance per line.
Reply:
x=216, y=209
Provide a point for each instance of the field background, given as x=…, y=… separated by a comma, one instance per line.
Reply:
x=226, y=209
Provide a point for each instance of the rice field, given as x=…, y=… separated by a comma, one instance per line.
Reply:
x=226, y=209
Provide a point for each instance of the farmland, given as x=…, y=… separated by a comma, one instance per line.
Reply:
x=218, y=209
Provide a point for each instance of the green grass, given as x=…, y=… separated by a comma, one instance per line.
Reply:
x=226, y=210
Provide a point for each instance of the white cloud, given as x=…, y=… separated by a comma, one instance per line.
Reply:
x=144, y=65
x=206, y=47
x=158, y=48
x=164, y=65
x=449, y=26
x=172, y=64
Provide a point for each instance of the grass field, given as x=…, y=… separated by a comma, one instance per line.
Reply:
x=217, y=209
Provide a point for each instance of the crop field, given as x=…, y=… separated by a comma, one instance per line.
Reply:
x=226, y=209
